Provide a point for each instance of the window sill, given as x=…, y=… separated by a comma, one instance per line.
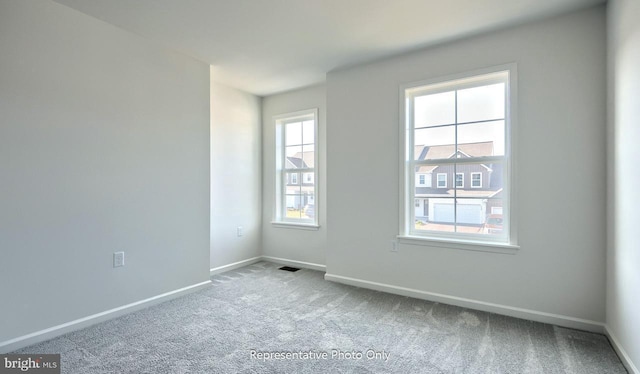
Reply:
x=467, y=245
x=293, y=225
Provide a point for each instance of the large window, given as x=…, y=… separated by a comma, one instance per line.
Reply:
x=455, y=128
x=296, y=162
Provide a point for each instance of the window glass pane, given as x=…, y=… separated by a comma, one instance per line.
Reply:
x=293, y=133
x=308, y=156
x=481, y=103
x=293, y=157
x=488, y=175
x=308, y=132
x=494, y=221
x=470, y=215
x=293, y=206
x=292, y=189
x=435, y=214
x=433, y=110
x=308, y=202
x=308, y=178
x=421, y=212
x=434, y=143
x=481, y=139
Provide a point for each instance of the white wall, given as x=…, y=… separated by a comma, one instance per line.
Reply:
x=561, y=141
x=623, y=270
x=291, y=243
x=236, y=174
x=104, y=146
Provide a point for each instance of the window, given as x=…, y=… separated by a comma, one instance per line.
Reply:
x=476, y=180
x=456, y=127
x=308, y=178
x=422, y=179
x=460, y=180
x=296, y=162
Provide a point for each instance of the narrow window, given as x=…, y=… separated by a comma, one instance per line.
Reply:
x=296, y=163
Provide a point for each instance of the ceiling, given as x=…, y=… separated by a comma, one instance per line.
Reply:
x=270, y=46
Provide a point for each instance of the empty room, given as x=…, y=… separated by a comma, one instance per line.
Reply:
x=319, y=186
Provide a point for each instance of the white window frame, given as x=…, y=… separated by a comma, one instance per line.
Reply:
x=467, y=241
x=438, y=180
x=294, y=178
x=456, y=180
x=422, y=179
x=280, y=218
x=476, y=173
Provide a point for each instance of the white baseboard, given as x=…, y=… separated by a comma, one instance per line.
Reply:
x=624, y=357
x=301, y=264
x=52, y=332
x=235, y=265
x=554, y=319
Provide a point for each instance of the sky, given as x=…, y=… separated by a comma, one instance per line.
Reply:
x=474, y=104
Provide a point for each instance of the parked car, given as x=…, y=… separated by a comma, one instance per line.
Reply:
x=494, y=224
x=310, y=210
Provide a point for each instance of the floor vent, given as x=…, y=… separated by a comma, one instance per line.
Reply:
x=289, y=268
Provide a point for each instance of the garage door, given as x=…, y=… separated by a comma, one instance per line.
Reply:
x=470, y=214
x=467, y=213
x=443, y=212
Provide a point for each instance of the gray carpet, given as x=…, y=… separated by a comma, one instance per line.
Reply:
x=271, y=312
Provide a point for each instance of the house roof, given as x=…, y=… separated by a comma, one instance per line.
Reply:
x=433, y=152
x=426, y=168
x=418, y=151
x=302, y=160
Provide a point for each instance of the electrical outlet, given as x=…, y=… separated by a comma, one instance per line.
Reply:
x=394, y=246
x=118, y=259
x=240, y=231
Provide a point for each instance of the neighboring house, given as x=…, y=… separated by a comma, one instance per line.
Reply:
x=298, y=198
x=477, y=187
